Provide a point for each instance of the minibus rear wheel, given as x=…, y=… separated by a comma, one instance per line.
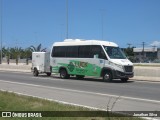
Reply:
x=64, y=74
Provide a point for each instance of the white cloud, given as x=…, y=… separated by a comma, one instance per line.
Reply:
x=156, y=43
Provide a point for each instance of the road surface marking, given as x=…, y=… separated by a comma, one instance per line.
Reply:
x=47, y=78
x=63, y=102
x=27, y=72
x=86, y=92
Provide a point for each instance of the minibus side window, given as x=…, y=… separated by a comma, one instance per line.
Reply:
x=84, y=51
x=58, y=51
x=97, y=50
x=71, y=51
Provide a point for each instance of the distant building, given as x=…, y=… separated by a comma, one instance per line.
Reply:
x=146, y=55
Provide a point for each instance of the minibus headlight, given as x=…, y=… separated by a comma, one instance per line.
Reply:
x=120, y=66
x=117, y=65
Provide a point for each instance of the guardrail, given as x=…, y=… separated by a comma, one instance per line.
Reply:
x=147, y=64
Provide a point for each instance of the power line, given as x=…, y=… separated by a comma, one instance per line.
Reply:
x=154, y=47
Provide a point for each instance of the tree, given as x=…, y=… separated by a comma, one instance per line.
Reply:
x=19, y=53
x=6, y=53
x=37, y=49
x=27, y=54
x=15, y=53
x=129, y=53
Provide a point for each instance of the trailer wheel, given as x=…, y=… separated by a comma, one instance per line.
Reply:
x=48, y=74
x=80, y=76
x=35, y=72
x=107, y=76
x=64, y=74
x=124, y=79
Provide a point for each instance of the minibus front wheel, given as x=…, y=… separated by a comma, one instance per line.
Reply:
x=107, y=76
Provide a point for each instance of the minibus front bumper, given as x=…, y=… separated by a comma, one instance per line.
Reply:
x=119, y=74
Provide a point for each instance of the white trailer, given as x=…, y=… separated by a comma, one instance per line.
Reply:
x=40, y=63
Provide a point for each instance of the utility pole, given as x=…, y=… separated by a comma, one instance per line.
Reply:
x=1, y=31
x=154, y=48
x=154, y=56
x=143, y=44
x=66, y=19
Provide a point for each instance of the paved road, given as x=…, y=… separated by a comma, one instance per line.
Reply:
x=116, y=96
x=145, y=73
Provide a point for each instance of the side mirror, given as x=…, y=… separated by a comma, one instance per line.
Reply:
x=95, y=56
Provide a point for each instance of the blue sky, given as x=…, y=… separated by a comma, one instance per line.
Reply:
x=31, y=22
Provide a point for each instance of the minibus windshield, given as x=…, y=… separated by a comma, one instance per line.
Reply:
x=114, y=52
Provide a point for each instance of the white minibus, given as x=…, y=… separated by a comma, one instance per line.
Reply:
x=80, y=58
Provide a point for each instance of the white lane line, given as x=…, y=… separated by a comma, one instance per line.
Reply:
x=86, y=92
x=48, y=78
x=63, y=102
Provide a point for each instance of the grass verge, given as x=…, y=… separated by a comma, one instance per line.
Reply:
x=15, y=102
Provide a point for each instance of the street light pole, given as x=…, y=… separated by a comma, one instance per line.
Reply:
x=102, y=22
x=1, y=32
x=66, y=19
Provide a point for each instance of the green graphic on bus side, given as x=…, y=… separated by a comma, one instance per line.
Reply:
x=80, y=68
x=55, y=69
x=71, y=67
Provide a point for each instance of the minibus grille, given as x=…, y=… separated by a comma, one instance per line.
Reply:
x=128, y=68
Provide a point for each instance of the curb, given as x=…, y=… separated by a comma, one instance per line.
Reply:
x=146, y=78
